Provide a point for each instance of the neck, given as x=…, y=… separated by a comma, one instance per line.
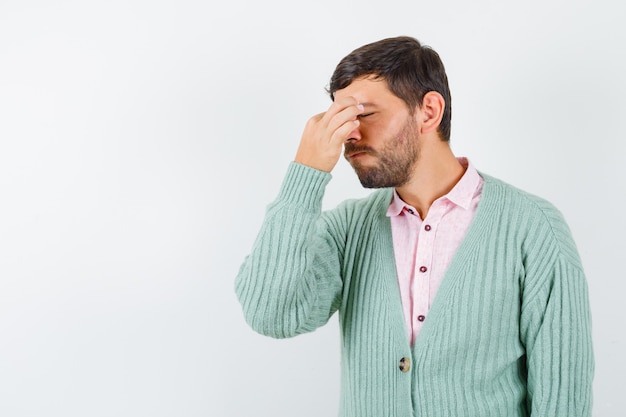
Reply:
x=435, y=173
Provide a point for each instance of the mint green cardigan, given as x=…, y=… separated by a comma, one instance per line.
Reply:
x=508, y=334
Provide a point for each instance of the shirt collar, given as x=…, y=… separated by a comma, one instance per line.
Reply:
x=461, y=194
x=464, y=190
x=396, y=206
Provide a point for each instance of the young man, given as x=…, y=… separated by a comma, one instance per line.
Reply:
x=458, y=295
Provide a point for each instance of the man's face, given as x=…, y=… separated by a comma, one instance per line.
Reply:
x=384, y=148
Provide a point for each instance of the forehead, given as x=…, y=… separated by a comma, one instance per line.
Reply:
x=367, y=89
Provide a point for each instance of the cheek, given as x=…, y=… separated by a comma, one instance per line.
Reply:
x=371, y=129
x=386, y=127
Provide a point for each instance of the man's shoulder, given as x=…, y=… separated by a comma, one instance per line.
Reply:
x=377, y=199
x=534, y=217
x=514, y=198
x=371, y=206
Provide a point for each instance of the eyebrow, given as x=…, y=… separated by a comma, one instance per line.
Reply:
x=367, y=104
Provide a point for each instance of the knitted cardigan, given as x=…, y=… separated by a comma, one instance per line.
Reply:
x=509, y=331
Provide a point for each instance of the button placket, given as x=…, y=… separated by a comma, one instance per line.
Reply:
x=423, y=266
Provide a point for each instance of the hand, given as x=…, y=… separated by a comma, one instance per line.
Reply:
x=325, y=133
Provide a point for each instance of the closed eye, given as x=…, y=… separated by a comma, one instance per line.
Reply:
x=361, y=116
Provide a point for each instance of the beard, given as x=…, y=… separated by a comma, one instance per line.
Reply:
x=396, y=159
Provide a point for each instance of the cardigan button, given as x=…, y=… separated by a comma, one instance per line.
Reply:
x=405, y=365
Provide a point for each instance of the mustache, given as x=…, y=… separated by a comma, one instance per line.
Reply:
x=350, y=147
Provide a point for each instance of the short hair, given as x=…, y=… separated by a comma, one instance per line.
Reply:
x=410, y=69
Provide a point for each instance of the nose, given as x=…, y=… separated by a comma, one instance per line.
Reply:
x=354, y=135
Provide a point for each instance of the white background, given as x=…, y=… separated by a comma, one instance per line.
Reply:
x=140, y=142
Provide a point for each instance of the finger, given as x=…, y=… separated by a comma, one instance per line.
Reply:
x=343, y=132
x=339, y=105
x=347, y=114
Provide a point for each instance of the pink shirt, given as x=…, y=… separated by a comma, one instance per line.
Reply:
x=424, y=248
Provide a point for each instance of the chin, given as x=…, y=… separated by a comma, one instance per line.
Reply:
x=372, y=179
x=380, y=178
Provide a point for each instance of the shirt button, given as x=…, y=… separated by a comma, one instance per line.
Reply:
x=423, y=269
x=427, y=228
x=405, y=365
x=410, y=211
x=421, y=318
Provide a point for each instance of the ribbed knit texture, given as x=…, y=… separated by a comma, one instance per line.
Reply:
x=507, y=335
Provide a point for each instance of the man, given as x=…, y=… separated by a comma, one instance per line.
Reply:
x=458, y=295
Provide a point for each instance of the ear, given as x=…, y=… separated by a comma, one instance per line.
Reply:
x=431, y=112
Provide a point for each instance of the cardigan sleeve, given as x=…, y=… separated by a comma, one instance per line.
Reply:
x=556, y=329
x=290, y=282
